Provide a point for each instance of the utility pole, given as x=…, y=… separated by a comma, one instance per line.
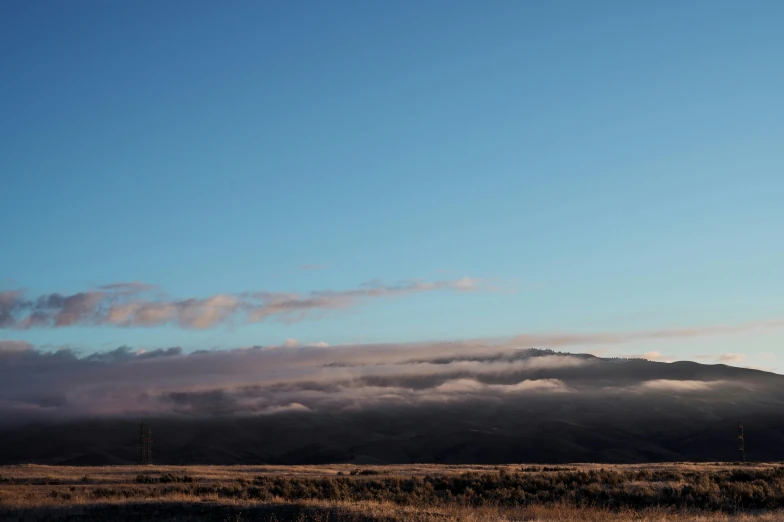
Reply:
x=149, y=446
x=141, y=443
x=741, y=442
x=145, y=444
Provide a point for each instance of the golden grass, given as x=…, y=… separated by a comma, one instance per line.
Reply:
x=225, y=493
x=123, y=474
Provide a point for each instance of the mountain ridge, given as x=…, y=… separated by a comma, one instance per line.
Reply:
x=603, y=411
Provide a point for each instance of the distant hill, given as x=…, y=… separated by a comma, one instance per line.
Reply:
x=616, y=411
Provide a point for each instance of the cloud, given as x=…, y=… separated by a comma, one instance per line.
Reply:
x=294, y=406
x=471, y=386
x=678, y=386
x=129, y=287
x=312, y=267
x=468, y=284
x=652, y=356
x=557, y=339
x=731, y=358
x=294, y=343
x=9, y=301
x=724, y=358
x=315, y=377
x=14, y=346
x=536, y=385
x=460, y=386
x=266, y=380
x=139, y=305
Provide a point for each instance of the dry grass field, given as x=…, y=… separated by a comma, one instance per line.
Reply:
x=335, y=493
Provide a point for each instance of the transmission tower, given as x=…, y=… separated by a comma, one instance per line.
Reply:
x=145, y=444
x=741, y=442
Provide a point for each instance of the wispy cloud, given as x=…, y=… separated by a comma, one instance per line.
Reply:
x=652, y=356
x=308, y=266
x=722, y=358
x=557, y=339
x=731, y=358
x=141, y=305
x=131, y=287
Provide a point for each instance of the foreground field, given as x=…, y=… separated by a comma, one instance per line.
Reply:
x=584, y=492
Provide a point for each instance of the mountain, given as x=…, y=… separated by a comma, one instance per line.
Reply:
x=599, y=410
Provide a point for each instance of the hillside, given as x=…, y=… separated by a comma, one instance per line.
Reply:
x=604, y=410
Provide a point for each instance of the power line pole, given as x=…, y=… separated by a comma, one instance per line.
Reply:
x=149, y=446
x=741, y=442
x=145, y=444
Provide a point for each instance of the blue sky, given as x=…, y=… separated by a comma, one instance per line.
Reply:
x=594, y=166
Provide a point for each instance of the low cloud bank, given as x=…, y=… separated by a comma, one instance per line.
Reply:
x=37, y=384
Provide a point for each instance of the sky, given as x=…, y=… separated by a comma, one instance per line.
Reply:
x=212, y=176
